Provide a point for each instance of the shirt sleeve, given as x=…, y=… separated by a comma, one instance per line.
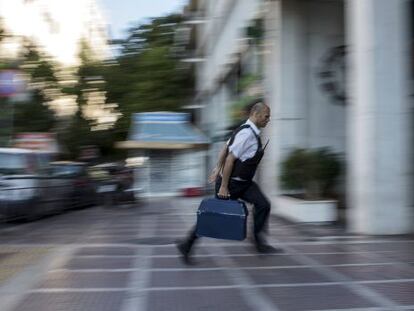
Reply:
x=240, y=143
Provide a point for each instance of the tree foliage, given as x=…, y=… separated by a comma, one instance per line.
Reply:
x=35, y=114
x=145, y=76
x=80, y=131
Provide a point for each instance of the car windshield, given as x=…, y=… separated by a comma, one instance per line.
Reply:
x=12, y=164
x=66, y=170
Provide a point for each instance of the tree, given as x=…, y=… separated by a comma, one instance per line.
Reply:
x=85, y=126
x=32, y=114
x=35, y=114
x=146, y=77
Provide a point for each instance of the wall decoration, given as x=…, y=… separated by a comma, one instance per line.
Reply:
x=332, y=74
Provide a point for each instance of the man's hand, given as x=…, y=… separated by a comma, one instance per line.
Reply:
x=223, y=193
x=213, y=176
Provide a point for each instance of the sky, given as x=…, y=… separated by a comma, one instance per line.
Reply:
x=123, y=13
x=56, y=26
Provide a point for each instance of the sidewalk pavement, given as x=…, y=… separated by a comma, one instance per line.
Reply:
x=124, y=259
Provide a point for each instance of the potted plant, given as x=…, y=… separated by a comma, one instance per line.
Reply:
x=309, y=177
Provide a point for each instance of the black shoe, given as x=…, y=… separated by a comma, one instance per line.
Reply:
x=268, y=249
x=184, y=250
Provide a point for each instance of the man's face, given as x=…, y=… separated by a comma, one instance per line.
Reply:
x=263, y=117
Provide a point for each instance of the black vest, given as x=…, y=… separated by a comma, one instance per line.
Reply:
x=246, y=169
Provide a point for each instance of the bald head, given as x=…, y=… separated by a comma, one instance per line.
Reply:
x=260, y=114
x=258, y=107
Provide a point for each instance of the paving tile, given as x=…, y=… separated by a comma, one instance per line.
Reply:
x=159, y=223
x=19, y=259
x=99, y=263
x=7, y=240
x=285, y=276
x=401, y=293
x=192, y=300
x=176, y=262
x=84, y=280
x=121, y=232
x=317, y=248
x=152, y=240
x=301, y=298
x=115, y=238
x=120, y=227
x=172, y=250
x=383, y=246
x=242, y=249
x=189, y=278
x=5, y=255
x=402, y=256
x=173, y=231
x=264, y=260
x=33, y=239
x=338, y=259
x=91, y=301
x=376, y=272
x=109, y=251
x=107, y=239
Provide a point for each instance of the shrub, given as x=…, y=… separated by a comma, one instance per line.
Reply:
x=311, y=172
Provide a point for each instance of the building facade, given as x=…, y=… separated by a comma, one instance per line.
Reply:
x=337, y=74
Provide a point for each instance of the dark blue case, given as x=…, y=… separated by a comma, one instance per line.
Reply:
x=222, y=219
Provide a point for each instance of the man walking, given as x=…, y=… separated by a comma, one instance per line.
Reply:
x=234, y=174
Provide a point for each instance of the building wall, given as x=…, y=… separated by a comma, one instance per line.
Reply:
x=230, y=33
x=373, y=129
x=220, y=37
x=219, y=40
x=299, y=34
x=327, y=116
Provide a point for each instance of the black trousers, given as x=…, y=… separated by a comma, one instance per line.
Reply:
x=250, y=192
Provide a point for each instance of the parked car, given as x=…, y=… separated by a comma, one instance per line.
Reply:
x=115, y=184
x=82, y=188
x=27, y=189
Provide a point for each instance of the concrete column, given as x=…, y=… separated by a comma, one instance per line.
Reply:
x=285, y=85
x=379, y=119
x=268, y=168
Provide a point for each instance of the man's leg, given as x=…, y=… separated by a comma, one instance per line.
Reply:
x=254, y=195
x=186, y=245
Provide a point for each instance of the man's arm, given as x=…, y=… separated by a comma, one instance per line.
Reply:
x=228, y=168
x=220, y=163
x=240, y=140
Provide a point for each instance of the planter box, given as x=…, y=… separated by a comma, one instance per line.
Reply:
x=298, y=210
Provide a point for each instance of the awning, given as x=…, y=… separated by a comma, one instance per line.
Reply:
x=163, y=130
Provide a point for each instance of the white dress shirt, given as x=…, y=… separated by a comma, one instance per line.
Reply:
x=245, y=144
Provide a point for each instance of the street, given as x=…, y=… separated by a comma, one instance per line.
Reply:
x=124, y=259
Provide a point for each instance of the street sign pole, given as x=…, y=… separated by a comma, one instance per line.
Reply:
x=11, y=85
x=12, y=108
